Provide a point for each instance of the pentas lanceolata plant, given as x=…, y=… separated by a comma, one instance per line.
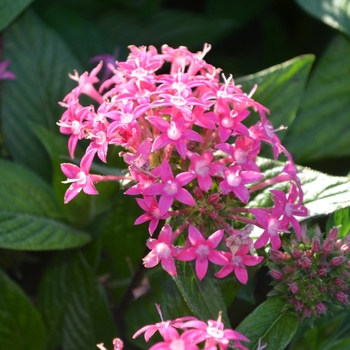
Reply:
x=313, y=274
x=192, y=159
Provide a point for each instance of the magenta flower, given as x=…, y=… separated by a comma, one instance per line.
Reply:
x=162, y=251
x=237, y=263
x=175, y=132
x=272, y=227
x=203, y=250
x=213, y=333
x=79, y=177
x=171, y=188
x=185, y=341
x=236, y=178
x=204, y=169
x=153, y=214
x=290, y=208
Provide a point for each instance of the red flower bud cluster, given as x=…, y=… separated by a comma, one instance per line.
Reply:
x=312, y=274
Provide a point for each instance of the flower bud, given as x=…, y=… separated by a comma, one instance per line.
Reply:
x=333, y=233
x=277, y=275
x=305, y=263
x=277, y=255
x=214, y=198
x=321, y=308
x=327, y=246
x=336, y=261
x=198, y=193
x=316, y=245
x=297, y=254
x=293, y=288
x=307, y=312
x=343, y=298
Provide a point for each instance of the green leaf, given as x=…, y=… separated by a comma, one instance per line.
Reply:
x=21, y=326
x=320, y=129
x=267, y=321
x=323, y=194
x=280, y=88
x=203, y=297
x=33, y=97
x=340, y=218
x=10, y=9
x=163, y=27
x=29, y=213
x=335, y=13
x=74, y=305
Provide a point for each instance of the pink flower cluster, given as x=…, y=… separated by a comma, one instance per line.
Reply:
x=192, y=161
x=192, y=334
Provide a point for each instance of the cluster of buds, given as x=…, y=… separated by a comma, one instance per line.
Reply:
x=313, y=274
x=191, y=160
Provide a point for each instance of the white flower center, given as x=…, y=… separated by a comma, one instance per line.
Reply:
x=177, y=344
x=240, y=156
x=201, y=167
x=163, y=250
x=173, y=132
x=202, y=250
x=233, y=180
x=170, y=187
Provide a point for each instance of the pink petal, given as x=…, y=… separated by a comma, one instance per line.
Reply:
x=216, y=238
x=226, y=270
x=205, y=183
x=185, y=178
x=185, y=197
x=169, y=266
x=242, y=193
x=72, y=191
x=161, y=141
x=165, y=203
x=187, y=255
x=195, y=236
x=218, y=258
x=86, y=161
x=89, y=187
x=143, y=218
x=70, y=170
x=201, y=267
x=262, y=240
x=241, y=274
x=251, y=260
x=165, y=172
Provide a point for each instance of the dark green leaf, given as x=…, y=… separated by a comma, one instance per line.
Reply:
x=41, y=82
x=195, y=29
x=335, y=13
x=10, y=9
x=21, y=327
x=204, y=297
x=29, y=213
x=73, y=305
x=280, y=88
x=320, y=129
x=276, y=328
x=340, y=218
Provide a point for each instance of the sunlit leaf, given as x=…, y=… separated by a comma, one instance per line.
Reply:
x=268, y=323
x=335, y=13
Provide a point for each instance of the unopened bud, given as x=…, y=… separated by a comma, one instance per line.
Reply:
x=297, y=254
x=333, y=233
x=298, y=305
x=316, y=244
x=293, y=288
x=276, y=255
x=336, y=261
x=343, y=298
x=307, y=312
x=213, y=214
x=321, y=308
x=322, y=272
x=288, y=269
x=305, y=263
x=214, y=198
x=277, y=275
x=198, y=193
x=338, y=281
x=327, y=246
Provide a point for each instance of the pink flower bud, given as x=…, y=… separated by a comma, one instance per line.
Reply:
x=213, y=214
x=297, y=254
x=316, y=244
x=198, y=193
x=293, y=288
x=307, y=312
x=277, y=255
x=217, y=206
x=338, y=243
x=321, y=308
x=214, y=198
x=277, y=275
x=338, y=281
x=118, y=344
x=327, y=246
x=345, y=248
x=322, y=289
x=288, y=269
x=336, y=261
x=298, y=305
x=333, y=233
x=322, y=272
x=343, y=298
x=305, y=263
